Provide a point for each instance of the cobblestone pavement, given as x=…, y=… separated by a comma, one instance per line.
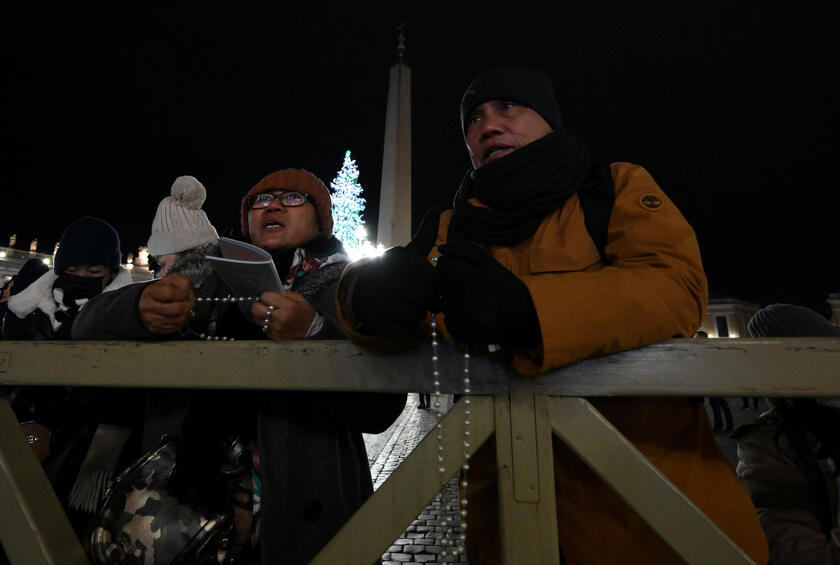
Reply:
x=422, y=542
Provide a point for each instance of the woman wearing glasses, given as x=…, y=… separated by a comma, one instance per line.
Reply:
x=289, y=214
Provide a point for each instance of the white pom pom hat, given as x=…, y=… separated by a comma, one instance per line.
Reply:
x=180, y=223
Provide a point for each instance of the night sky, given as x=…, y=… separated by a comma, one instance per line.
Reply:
x=730, y=106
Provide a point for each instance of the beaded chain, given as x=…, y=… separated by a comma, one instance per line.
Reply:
x=227, y=299
x=231, y=299
x=448, y=536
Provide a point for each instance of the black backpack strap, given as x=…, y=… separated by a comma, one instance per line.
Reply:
x=597, y=196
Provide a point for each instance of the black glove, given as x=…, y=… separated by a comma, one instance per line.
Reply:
x=393, y=293
x=483, y=301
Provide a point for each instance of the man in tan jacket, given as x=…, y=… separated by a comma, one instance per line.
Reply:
x=525, y=260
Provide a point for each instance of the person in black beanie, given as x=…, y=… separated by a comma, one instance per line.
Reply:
x=87, y=263
x=551, y=257
x=788, y=458
x=790, y=320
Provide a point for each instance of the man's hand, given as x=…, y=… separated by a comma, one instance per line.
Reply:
x=289, y=315
x=166, y=304
x=482, y=301
x=393, y=293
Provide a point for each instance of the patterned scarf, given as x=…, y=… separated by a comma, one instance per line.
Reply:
x=315, y=264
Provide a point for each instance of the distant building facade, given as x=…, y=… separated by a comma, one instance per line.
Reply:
x=12, y=259
x=728, y=317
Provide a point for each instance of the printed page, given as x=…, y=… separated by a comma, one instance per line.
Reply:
x=245, y=268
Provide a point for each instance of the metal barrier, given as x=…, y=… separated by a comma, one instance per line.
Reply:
x=523, y=411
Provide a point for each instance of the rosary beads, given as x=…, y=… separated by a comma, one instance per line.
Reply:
x=465, y=466
x=267, y=320
x=231, y=299
x=227, y=299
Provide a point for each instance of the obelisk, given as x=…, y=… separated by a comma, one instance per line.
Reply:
x=394, y=226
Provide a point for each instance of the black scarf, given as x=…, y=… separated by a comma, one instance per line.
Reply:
x=521, y=189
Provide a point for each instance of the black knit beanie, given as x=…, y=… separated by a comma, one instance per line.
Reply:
x=28, y=274
x=88, y=241
x=529, y=87
x=789, y=320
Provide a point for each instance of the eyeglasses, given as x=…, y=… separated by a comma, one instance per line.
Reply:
x=288, y=198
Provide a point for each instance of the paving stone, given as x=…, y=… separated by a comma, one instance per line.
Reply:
x=422, y=540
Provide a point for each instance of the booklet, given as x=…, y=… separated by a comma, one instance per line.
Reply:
x=245, y=268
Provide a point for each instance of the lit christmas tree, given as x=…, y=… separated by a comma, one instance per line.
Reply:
x=348, y=205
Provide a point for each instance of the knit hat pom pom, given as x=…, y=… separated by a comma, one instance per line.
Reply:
x=189, y=192
x=180, y=223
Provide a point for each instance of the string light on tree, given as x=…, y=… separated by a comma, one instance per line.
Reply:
x=347, y=204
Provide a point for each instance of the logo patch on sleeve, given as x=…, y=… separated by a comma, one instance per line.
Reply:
x=651, y=202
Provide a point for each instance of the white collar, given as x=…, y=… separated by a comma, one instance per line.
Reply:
x=39, y=295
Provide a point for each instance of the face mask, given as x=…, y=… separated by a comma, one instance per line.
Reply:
x=76, y=287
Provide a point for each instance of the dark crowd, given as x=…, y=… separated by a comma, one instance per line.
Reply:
x=545, y=255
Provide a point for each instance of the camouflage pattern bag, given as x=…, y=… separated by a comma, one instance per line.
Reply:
x=140, y=523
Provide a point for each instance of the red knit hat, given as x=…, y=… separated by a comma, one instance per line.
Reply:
x=294, y=179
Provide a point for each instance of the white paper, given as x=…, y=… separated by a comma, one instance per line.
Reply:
x=246, y=269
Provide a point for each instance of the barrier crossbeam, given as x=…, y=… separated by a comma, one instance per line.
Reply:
x=523, y=412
